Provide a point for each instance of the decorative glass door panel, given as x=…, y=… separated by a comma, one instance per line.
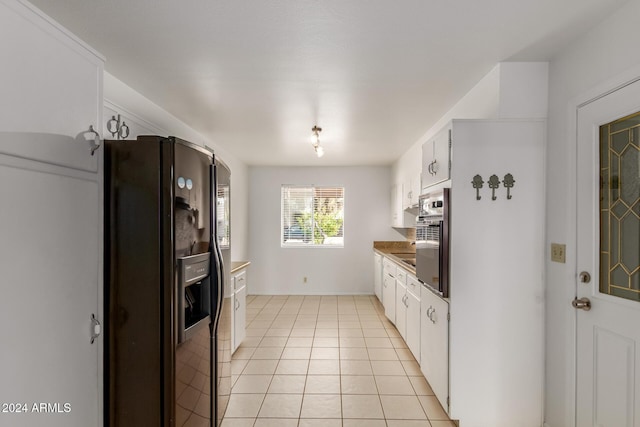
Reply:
x=620, y=208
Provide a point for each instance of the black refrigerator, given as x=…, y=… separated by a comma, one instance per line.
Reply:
x=167, y=246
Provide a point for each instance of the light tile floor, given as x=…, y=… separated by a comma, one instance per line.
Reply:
x=325, y=361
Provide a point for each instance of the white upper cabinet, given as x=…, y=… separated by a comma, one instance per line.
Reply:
x=54, y=82
x=411, y=191
x=396, y=205
x=436, y=158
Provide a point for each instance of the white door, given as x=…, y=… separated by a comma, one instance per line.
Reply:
x=608, y=250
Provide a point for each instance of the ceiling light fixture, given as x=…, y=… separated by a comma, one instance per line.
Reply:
x=316, y=141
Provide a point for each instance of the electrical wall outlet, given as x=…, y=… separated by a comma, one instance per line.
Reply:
x=558, y=252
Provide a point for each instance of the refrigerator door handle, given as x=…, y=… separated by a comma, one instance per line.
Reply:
x=216, y=256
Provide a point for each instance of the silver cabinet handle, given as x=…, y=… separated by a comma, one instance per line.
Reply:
x=96, y=328
x=432, y=315
x=436, y=167
x=237, y=304
x=94, y=142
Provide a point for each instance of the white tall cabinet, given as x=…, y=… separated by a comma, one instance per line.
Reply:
x=496, y=300
x=50, y=221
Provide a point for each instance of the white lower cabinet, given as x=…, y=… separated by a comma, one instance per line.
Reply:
x=412, y=301
x=408, y=310
x=434, y=347
x=377, y=275
x=401, y=308
x=389, y=289
x=239, y=303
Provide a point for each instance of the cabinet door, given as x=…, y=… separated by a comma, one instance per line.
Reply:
x=396, y=205
x=377, y=275
x=232, y=317
x=389, y=297
x=240, y=314
x=434, y=345
x=436, y=154
x=239, y=301
x=51, y=91
x=413, y=324
x=401, y=309
x=415, y=189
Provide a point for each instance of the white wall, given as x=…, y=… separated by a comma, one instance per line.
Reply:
x=144, y=116
x=348, y=270
x=598, y=61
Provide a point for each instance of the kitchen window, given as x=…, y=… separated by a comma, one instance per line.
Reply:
x=312, y=216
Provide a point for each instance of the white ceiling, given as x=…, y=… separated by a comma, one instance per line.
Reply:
x=255, y=76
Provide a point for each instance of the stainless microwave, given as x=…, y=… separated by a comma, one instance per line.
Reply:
x=432, y=241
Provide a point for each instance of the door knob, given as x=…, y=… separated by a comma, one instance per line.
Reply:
x=582, y=304
x=585, y=277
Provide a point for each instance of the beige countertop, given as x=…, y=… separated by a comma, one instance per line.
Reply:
x=238, y=265
x=396, y=251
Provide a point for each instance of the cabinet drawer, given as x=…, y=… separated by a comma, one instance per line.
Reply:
x=240, y=280
x=413, y=285
x=401, y=276
x=389, y=267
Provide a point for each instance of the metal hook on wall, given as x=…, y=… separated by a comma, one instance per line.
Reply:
x=494, y=182
x=477, y=184
x=118, y=128
x=508, y=183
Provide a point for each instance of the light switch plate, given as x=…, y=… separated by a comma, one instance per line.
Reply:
x=558, y=252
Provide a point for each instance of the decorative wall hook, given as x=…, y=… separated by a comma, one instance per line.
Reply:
x=477, y=184
x=508, y=183
x=494, y=182
x=118, y=128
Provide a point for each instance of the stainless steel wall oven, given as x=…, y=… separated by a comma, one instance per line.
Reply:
x=432, y=241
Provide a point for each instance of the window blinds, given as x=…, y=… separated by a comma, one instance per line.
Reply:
x=312, y=216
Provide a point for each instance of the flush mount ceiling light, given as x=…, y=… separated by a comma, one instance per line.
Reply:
x=316, y=141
